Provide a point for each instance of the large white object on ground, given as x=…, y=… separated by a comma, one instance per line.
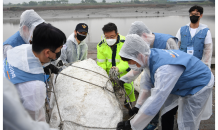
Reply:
x=83, y=103
x=137, y=82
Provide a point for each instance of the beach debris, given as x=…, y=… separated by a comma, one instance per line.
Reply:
x=86, y=100
x=137, y=82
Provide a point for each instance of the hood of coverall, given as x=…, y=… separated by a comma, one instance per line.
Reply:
x=139, y=28
x=72, y=38
x=135, y=48
x=29, y=19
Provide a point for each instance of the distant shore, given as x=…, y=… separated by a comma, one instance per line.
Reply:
x=105, y=12
x=121, y=12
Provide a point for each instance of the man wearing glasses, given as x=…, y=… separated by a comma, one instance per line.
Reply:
x=195, y=38
x=75, y=48
x=108, y=57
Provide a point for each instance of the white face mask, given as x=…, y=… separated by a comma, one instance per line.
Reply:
x=111, y=42
x=134, y=67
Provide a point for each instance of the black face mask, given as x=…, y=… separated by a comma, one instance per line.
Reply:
x=57, y=56
x=80, y=37
x=194, y=19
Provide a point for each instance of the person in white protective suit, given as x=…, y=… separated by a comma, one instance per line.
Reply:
x=29, y=19
x=23, y=67
x=75, y=48
x=154, y=40
x=15, y=117
x=175, y=78
x=195, y=38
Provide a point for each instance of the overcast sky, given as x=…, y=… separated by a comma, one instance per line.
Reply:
x=71, y=1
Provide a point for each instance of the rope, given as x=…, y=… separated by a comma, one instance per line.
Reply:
x=88, y=82
x=56, y=100
x=47, y=99
x=114, y=77
x=89, y=70
x=105, y=88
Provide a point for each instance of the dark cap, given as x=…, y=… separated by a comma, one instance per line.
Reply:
x=82, y=27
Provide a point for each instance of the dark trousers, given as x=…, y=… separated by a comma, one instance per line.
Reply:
x=155, y=119
x=167, y=120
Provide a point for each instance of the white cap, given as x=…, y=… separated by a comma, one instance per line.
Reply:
x=135, y=48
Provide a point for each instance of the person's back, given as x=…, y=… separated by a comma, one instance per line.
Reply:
x=29, y=19
x=176, y=80
x=195, y=76
x=155, y=40
x=23, y=67
x=195, y=38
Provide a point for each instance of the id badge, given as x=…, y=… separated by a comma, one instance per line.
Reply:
x=190, y=50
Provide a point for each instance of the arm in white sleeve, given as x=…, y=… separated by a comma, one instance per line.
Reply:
x=207, y=54
x=33, y=94
x=130, y=76
x=5, y=49
x=85, y=52
x=63, y=56
x=14, y=114
x=145, y=89
x=71, y=52
x=165, y=79
x=208, y=50
x=179, y=38
x=172, y=44
x=178, y=35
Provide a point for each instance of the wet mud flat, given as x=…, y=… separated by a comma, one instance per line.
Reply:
x=72, y=7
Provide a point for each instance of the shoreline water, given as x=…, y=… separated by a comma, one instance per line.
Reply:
x=122, y=12
x=13, y=17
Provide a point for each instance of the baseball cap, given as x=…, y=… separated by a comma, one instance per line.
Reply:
x=82, y=27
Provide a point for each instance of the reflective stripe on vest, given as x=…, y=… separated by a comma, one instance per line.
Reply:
x=101, y=60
